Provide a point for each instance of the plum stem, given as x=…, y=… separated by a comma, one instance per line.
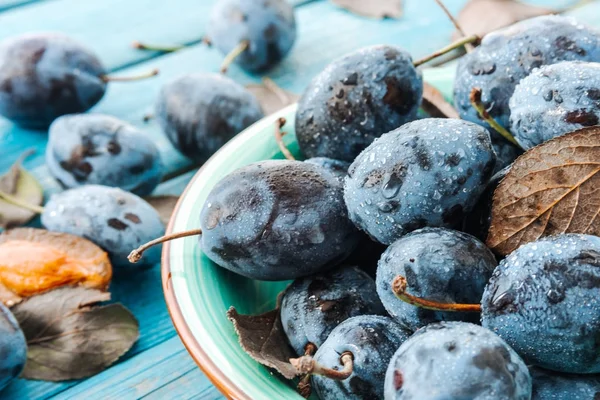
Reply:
x=148, y=117
x=137, y=254
x=279, y=139
x=475, y=99
x=304, y=387
x=19, y=203
x=308, y=365
x=233, y=54
x=468, y=46
x=153, y=47
x=454, y=45
x=150, y=74
x=399, y=286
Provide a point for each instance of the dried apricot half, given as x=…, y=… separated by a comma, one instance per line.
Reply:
x=33, y=261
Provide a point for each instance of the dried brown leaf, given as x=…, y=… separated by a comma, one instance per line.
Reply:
x=33, y=261
x=549, y=190
x=20, y=184
x=164, y=205
x=262, y=338
x=68, y=338
x=480, y=17
x=435, y=104
x=271, y=97
x=373, y=8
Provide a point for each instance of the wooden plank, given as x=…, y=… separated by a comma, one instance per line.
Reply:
x=6, y=5
x=138, y=290
x=192, y=385
x=317, y=45
x=143, y=375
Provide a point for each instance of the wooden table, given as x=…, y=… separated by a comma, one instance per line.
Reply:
x=158, y=366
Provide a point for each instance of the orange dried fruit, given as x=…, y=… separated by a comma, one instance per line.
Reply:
x=33, y=261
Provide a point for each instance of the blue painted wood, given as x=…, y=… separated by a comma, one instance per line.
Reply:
x=158, y=366
x=133, y=379
x=6, y=5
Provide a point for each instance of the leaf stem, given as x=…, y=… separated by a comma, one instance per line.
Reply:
x=475, y=98
x=233, y=54
x=108, y=78
x=308, y=365
x=399, y=286
x=454, y=45
x=137, y=254
x=279, y=139
x=19, y=203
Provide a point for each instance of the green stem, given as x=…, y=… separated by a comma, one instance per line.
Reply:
x=150, y=74
x=459, y=43
x=475, y=98
x=233, y=54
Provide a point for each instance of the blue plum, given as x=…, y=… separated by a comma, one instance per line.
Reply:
x=510, y=54
x=372, y=340
x=312, y=307
x=99, y=149
x=46, y=75
x=554, y=100
x=544, y=300
x=356, y=99
x=201, y=112
x=426, y=173
x=456, y=360
x=13, y=348
x=269, y=27
x=115, y=220
x=439, y=264
x=549, y=385
x=277, y=220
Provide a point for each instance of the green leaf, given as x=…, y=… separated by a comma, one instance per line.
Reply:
x=271, y=97
x=68, y=338
x=22, y=186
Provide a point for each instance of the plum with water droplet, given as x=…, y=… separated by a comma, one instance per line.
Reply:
x=312, y=307
x=277, y=220
x=427, y=173
x=370, y=341
x=103, y=150
x=13, y=348
x=549, y=385
x=356, y=99
x=456, y=360
x=510, y=54
x=554, y=100
x=544, y=300
x=266, y=29
x=439, y=264
x=116, y=220
x=200, y=112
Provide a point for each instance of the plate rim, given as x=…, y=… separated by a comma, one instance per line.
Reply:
x=193, y=347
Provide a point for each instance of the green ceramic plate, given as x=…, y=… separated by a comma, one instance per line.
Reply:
x=199, y=293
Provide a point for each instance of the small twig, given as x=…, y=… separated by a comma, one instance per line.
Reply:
x=19, y=203
x=279, y=139
x=152, y=47
x=468, y=46
x=399, y=286
x=108, y=78
x=459, y=43
x=308, y=365
x=137, y=254
x=233, y=54
x=475, y=98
